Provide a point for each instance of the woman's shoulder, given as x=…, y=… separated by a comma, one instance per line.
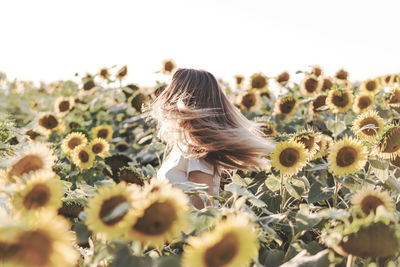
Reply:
x=193, y=164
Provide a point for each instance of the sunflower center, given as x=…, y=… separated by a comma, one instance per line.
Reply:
x=32, y=134
x=34, y=248
x=326, y=85
x=83, y=156
x=346, y=156
x=48, y=122
x=131, y=177
x=307, y=141
x=27, y=164
x=239, y=80
x=222, y=253
x=283, y=77
x=340, y=100
x=311, y=85
x=103, y=133
x=320, y=101
x=37, y=197
x=108, y=206
x=317, y=71
x=371, y=85
x=267, y=130
x=369, y=132
x=63, y=106
x=248, y=100
x=258, y=82
x=157, y=219
x=97, y=148
x=341, y=75
x=370, y=203
x=74, y=142
x=395, y=98
x=387, y=78
x=289, y=157
x=364, y=102
x=121, y=147
x=168, y=66
x=392, y=141
x=287, y=106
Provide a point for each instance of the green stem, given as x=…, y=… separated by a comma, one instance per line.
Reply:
x=336, y=192
x=282, y=191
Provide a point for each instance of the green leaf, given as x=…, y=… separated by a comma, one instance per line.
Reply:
x=238, y=180
x=294, y=190
x=306, y=220
x=318, y=193
x=380, y=168
x=272, y=183
x=336, y=127
x=318, y=168
x=170, y=261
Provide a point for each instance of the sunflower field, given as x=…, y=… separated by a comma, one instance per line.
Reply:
x=78, y=160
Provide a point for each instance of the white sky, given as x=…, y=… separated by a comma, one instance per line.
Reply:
x=50, y=40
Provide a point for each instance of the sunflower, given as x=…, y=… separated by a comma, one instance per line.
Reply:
x=388, y=80
x=83, y=157
x=393, y=99
x=63, y=105
x=43, y=190
x=258, y=81
x=33, y=157
x=289, y=158
x=88, y=84
x=99, y=147
x=318, y=105
x=121, y=74
x=104, y=73
x=122, y=146
x=395, y=161
x=326, y=84
x=103, y=131
x=32, y=134
x=268, y=129
x=388, y=143
x=283, y=78
x=158, y=217
x=323, y=145
x=368, y=199
x=72, y=141
x=49, y=123
x=233, y=242
x=248, y=100
x=347, y=156
x=130, y=175
x=40, y=239
x=368, y=118
x=370, y=86
x=168, y=66
x=339, y=100
x=137, y=101
x=310, y=141
x=285, y=105
x=310, y=85
x=317, y=70
x=107, y=210
x=363, y=102
x=239, y=79
x=341, y=75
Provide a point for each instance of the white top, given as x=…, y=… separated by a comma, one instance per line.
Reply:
x=176, y=169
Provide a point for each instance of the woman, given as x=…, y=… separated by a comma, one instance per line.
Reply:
x=207, y=132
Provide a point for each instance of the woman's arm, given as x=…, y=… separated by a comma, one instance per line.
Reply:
x=201, y=178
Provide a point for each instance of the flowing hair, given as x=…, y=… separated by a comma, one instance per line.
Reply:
x=194, y=112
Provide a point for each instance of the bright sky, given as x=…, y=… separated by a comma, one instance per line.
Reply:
x=51, y=40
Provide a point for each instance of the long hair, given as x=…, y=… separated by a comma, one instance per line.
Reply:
x=194, y=112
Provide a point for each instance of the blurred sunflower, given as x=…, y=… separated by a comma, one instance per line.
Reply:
x=370, y=86
x=368, y=118
x=283, y=78
x=339, y=100
x=107, y=210
x=388, y=145
x=341, y=75
x=103, y=131
x=63, y=105
x=99, y=147
x=258, y=81
x=289, y=158
x=83, y=157
x=326, y=84
x=347, y=156
x=248, y=100
x=122, y=146
x=309, y=139
x=323, y=146
x=318, y=105
x=72, y=141
x=33, y=157
x=43, y=190
x=104, y=73
x=368, y=199
x=310, y=85
x=285, y=105
x=393, y=99
x=168, y=66
x=317, y=70
x=137, y=100
x=32, y=134
x=268, y=129
x=130, y=175
x=49, y=123
x=233, y=242
x=40, y=239
x=395, y=161
x=388, y=80
x=363, y=102
x=121, y=74
x=239, y=80
x=158, y=217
